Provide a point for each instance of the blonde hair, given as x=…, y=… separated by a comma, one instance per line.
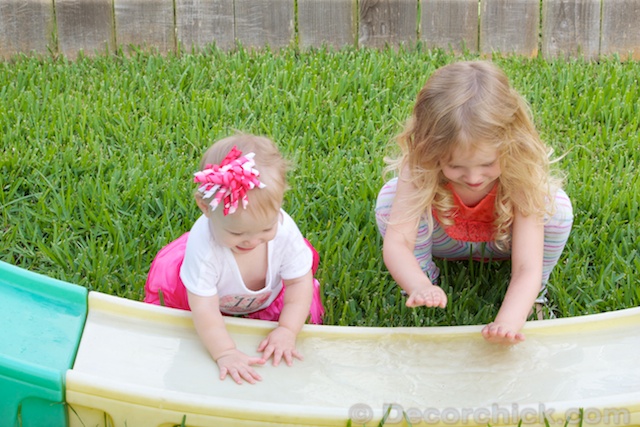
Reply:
x=463, y=106
x=268, y=162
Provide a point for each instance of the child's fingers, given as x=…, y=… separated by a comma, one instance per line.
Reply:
x=490, y=330
x=236, y=376
x=239, y=375
x=233, y=373
x=280, y=355
x=267, y=351
x=240, y=370
x=498, y=334
x=256, y=361
x=263, y=344
x=287, y=356
x=249, y=375
x=271, y=351
x=443, y=300
x=223, y=373
x=417, y=299
x=428, y=299
x=290, y=355
x=277, y=356
x=414, y=301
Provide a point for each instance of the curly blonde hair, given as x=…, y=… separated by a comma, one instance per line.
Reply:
x=462, y=106
x=268, y=161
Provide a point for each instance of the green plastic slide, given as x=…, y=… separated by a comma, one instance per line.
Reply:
x=42, y=321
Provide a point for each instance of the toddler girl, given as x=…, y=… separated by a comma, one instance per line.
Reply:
x=473, y=179
x=243, y=256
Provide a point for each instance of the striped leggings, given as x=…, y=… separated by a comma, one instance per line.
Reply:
x=440, y=245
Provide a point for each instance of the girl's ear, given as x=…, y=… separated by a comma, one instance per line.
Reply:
x=203, y=205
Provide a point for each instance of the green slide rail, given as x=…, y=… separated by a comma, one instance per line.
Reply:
x=42, y=320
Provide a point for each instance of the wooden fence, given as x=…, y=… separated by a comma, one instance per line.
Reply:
x=552, y=28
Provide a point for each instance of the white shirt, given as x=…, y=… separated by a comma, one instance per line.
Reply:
x=210, y=269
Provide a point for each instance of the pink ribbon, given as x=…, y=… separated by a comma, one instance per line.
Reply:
x=229, y=181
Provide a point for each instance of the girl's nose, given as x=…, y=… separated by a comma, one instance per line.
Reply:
x=253, y=241
x=474, y=177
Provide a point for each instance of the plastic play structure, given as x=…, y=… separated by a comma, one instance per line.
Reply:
x=69, y=357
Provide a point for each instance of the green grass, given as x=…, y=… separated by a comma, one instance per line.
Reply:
x=97, y=157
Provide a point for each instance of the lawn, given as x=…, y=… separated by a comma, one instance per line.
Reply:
x=97, y=158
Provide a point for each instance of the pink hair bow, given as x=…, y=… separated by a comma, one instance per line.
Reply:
x=229, y=181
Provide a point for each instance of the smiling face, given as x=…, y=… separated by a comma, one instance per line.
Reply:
x=247, y=229
x=242, y=232
x=472, y=170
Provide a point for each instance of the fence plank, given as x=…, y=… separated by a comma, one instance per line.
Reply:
x=26, y=27
x=145, y=23
x=85, y=25
x=570, y=28
x=388, y=22
x=450, y=24
x=261, y=23
x=509, y=26
x=203, y=22
x=621, y=28
x=330, y=22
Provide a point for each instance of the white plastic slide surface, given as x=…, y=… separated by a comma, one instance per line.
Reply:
x=143, y=365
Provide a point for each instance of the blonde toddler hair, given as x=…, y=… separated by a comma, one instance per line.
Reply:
x=268, y=162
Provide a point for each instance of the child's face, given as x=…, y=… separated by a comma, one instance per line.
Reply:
x=241, y=231
x=473, y=170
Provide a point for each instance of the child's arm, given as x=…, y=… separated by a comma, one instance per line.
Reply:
x=210, y=326
x=397, y=251
x=526, y=274
x=281, y=342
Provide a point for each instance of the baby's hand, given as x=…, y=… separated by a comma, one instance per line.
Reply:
x=280, y=343
x=238, y=366
x=502, y=333
x=432, y=296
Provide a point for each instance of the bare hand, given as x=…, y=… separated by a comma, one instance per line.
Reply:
x=432, y=296
x=502, y=333
x=281, y=344
x=238, y=366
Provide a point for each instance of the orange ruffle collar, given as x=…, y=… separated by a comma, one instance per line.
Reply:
x=472, y=224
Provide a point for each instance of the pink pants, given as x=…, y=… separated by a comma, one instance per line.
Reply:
x=164, y=286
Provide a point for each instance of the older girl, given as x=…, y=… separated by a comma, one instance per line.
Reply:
x=473, y=178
